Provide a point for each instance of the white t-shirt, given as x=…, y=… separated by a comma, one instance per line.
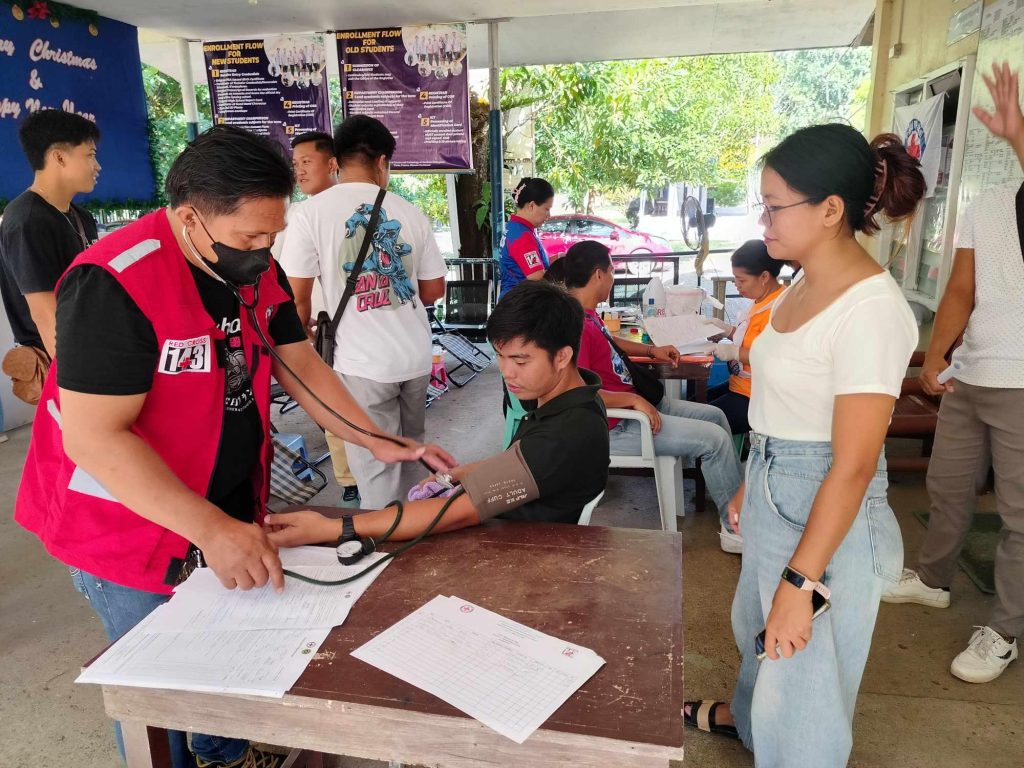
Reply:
x=316, y=296
x=993, y=350
x=384, y=334
x=861, y=343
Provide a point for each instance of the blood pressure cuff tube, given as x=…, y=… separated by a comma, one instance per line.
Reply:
x=501, y=483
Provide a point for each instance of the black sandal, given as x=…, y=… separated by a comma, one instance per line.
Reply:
x=702, y=717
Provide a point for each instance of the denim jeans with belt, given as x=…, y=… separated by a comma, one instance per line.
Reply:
x=798, y=712
x=692, y=430
x=120, y=609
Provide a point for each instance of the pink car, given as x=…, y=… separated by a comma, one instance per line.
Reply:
x=558, y=233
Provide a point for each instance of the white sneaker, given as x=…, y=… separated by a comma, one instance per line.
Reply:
x=731, y=542
x=912, y=590
x=986, y=657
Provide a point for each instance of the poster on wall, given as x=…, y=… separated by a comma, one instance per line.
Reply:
x=52, y=60
x=920, y=127
x=415, y=80
x=275, y=86
x=989, y=161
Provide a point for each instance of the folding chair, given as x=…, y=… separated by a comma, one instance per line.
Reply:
x=435, y=388
x=467, y=354
x=285, y=403
x=293, y=478
x=281, y=399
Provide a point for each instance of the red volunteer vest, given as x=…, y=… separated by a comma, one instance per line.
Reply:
x=76, y=519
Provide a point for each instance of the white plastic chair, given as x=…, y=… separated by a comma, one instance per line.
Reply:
x=589, y=510
x=668, y=470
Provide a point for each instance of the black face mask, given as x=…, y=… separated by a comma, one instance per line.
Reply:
x=237, y=267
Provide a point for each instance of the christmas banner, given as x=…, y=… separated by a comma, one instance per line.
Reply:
x=54, y=56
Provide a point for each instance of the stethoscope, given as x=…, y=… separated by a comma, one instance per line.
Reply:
x=351, y=551
x=250, y=308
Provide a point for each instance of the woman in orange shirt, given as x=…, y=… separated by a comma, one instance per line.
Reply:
x=757, y=277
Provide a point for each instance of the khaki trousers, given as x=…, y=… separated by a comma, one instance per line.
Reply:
x=976, y=423
x=339, y=460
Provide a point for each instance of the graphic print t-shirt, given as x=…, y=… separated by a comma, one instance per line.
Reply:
x=384, y=334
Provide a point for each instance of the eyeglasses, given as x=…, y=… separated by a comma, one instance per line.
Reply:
x=765, y=211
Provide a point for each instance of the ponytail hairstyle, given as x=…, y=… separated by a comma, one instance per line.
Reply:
x=581, y=261
x=834, y=159
x=556, y=272
x=532, y=190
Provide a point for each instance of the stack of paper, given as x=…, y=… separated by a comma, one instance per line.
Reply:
x=210, y=639
x=687, y=332
x=504, y=674
x=259, y=662
x=201, y=604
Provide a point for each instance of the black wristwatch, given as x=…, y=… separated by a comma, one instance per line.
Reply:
x=350, y=548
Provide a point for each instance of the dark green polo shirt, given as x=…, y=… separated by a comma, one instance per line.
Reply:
x=565, y=445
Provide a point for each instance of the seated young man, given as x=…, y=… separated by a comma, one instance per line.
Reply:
x=680, y=428
x=558, y=460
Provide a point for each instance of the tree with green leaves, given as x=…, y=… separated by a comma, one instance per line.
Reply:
x=605, y=127
x=821, y=85
x=168, y=131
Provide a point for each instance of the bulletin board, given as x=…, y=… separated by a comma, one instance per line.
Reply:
x=988, y=161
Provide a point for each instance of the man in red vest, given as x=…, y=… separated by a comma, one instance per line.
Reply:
x=152, y=436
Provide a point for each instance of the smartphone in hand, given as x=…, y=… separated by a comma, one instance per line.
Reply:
x=819, y=603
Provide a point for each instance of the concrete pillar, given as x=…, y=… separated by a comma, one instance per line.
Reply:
x=188, y=89
x=497, y=150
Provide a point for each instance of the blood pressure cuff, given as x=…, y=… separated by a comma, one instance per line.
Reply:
x=501, y=483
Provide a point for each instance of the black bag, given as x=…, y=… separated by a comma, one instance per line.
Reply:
x=647, y=385
x=326, y=326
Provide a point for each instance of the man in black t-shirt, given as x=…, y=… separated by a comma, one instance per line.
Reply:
x=558, y=460
x=42, y=229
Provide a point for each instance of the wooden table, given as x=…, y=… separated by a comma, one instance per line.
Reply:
x=617, y=591
x=718, y=283
x=696, y=375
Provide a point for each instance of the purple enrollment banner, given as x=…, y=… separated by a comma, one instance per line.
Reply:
x=414, y=80
x=274, y=87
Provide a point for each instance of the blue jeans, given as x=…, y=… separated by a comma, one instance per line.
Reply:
x=120, y=609
x=798, y=712
x=692, y=430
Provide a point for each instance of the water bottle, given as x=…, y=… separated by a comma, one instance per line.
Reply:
x=438, y=372
x=655, y=291
x=650, y=310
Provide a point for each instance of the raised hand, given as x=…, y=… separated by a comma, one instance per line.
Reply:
x=1006, y=120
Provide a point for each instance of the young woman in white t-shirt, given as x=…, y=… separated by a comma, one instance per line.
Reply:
x=829, y=366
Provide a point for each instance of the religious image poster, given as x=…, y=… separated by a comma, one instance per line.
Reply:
x=920, y=127
x=274, y=87
x=415, y=80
